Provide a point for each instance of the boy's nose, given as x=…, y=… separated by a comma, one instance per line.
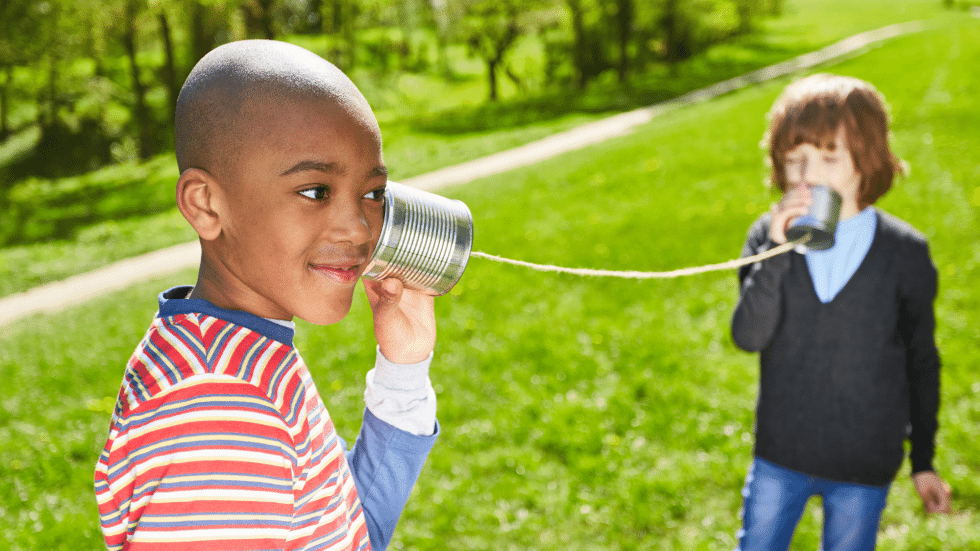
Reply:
x=349, y=223
x=805, y=170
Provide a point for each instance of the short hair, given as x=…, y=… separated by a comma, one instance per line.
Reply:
x=234, y=90
x=812, y=109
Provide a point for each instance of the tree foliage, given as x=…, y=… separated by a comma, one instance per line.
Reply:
x=99, y=78
x=491, y=28
x=19, y=24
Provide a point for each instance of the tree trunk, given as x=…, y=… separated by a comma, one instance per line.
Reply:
x=52, y=99
x=47, y=104
x=140, y=111
x=624, y=21
x=492, y=78
x=348, y=28
x=669, y=23
x=258, y=18
x=199, y=43
x=315, y=13
x=580, y=46
x=268, y=7
x=169, y=70
x=336, y=16
x=8, y=71
x=499, y=50
x=204, y=31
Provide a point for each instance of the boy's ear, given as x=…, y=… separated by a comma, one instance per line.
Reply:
x=197, y=201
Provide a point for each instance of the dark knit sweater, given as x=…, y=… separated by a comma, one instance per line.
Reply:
x=843, y=384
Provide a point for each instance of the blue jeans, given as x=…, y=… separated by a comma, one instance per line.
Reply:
x=775, y=498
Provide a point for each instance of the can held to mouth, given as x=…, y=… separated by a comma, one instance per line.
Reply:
x=425, y=240
x=816, y=228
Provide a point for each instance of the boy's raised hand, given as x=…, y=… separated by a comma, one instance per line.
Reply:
x=934, y=492
x=404, y=320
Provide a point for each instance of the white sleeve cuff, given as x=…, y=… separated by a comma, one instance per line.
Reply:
x=402, y=395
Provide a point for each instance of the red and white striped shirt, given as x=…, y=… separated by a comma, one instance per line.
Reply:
x=219, y=441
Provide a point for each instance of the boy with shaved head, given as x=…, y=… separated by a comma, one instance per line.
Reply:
x=219, y=439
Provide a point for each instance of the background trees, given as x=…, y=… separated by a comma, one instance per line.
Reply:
x=88, y=82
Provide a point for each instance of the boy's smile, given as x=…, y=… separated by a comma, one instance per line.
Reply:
x=340, y=272
x=303, y=207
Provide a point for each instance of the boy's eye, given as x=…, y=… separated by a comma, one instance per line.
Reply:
x=375, y=194
x=317, y=193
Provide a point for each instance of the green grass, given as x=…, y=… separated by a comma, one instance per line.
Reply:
x=427, y=123
x=577, y=413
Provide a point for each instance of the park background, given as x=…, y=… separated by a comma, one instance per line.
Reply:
x=576, y=413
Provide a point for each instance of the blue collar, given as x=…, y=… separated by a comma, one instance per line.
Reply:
x=863, y=222
x=172, y=303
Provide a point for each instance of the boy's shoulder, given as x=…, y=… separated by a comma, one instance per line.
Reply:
x=174, y=303
x=904, y=240
x=192, y=343
x=759, y=229
x=899, y=229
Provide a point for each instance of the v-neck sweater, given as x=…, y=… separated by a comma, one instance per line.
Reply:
x=843, y=384
x=830, y=269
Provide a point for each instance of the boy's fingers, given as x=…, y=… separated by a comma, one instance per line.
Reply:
x=936, y=494
x=943, y=499
x=383, y=293
x=391, y=290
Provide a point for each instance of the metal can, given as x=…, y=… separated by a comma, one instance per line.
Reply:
x=816, y=228
x=425, y=240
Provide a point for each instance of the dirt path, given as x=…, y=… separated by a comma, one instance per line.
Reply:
x=57, y=295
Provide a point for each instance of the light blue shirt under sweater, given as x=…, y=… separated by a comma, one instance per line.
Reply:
x=831, y=269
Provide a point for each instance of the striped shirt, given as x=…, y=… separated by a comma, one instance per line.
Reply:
x=220, y=438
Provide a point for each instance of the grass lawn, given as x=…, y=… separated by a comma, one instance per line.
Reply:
x=577, y=413
x=427, y=123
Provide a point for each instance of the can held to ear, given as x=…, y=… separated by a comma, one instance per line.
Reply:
x=817, y=227
x=425, y=240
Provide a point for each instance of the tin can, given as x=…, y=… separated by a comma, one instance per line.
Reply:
x=817, y=227
x=425, y=240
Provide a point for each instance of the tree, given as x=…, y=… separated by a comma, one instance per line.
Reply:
x=593, y=22
x=141, y=113
x=314, y=16
x=490, y=28
x=61, y=36
x=624, y=16
x=208, y=27
x=48, y=39
x=340, y=18
x=447, y=17
x=168, y=73
x=18, y=46
x=686, y=28
x=588, y=45
x=260, y=18
x=748, y=12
